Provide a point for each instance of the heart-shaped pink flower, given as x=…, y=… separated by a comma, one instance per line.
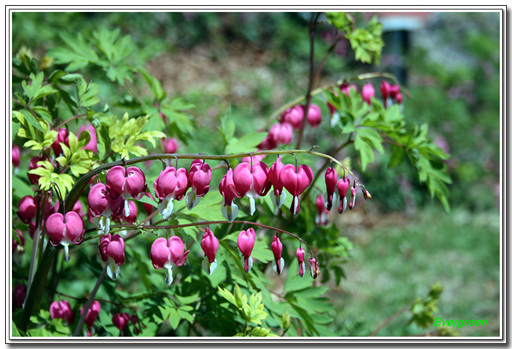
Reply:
x=93, y=143
x=281, y=133
x=27, y=209
x=367, y=92
x=331, y=178
x=246, y=240
x=92, y=313
x=300, y=258
x=314, y=116
x=62, y=310
x=16, y=154
x=296, y=181
x=277, y=249
x=343, y=185
x=166, y=253
x=120, y=320
x=65, y=230
x=210, y=245
x=62, y=137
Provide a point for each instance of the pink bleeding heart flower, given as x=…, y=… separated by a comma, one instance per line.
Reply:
x=345, y=88
x=169, y=145
x=62, y=310
x=385, y=89
x=79, y=208
x=65, y=230
x=92, y=313
x=315, y=269
x=296, y=181
x=321, y=217
x=120, y=320
x=103, y=206
x=16, y=155
x=314, y=116
x=27, y=209
x=278, y=196
x=343, y=185
x=331, y=178
x=367, y=92
x=246, y=240
x=353, y=191
x=268, y=143
x=228, y=190
x=398, y=98
x=166, y=253
x=18, y=247
x=251, y=181
x=112, y=251
x=394, y=90
x=129, y=183
x=33, y=178
x=281, y=133
x=132, y=217
x=300, y=258
x=93, y=143
x=199, y=178
x=19, y=293
x=62, y=137
x=254, y=158
x=277, y=250
x=210, y=246
x=293, y=116
x=170, y=185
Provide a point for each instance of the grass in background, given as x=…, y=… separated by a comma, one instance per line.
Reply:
x=395, y=264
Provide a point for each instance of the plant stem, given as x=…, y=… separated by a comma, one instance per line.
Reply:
x=388, y=320
x=89, y=302
x=70, y=119
x=312, y=33
x=215, y=222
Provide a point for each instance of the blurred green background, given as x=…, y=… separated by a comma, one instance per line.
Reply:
x=249, y=64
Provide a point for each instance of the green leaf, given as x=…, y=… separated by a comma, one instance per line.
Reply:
x=227, y=295
x=341, y=20
x=240, y=299
x=77, y=54
x=365, y=152
x=44, y=91
x=396, y=157
x=372, y=137
x=154, y=85
x=174, y=318
x=32, y=120
x=246, y=144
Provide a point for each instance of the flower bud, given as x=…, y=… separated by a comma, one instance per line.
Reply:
x=33, y=178
x=62, y=137
x=246, y=240
x=16, y=154
x=27, y=209
x=120, y=320
x=315, y=269
x=277, y=250
x=228, y=191
x=79, y=208
x=293, y=116
x=353, y=191
x=398, y=98
x=331, y=178
x=345, y=88
x=300, y=258
x=62, y=310
x=93, y=143
x=314, y=115
x=92, y=313
x=394, y=90
x=321, y=217
x=367, y=92
x=210, y=246
x=169, y=146
x=19, y=293
x=343, y=185
x=281, y=133
x=268, y=143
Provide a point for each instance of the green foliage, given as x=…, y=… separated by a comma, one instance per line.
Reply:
x=48, y=176
x=423, y=309
x=365, y=41
x=125, y=133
